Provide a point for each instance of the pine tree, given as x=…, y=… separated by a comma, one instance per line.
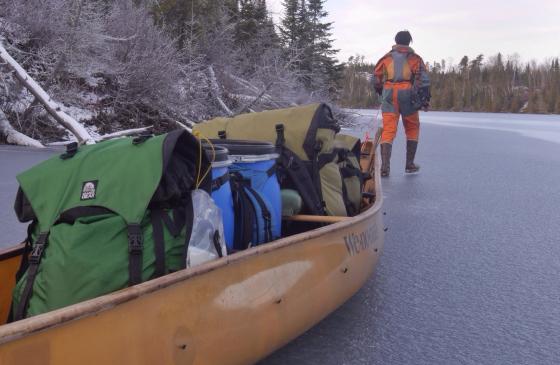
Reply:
x=322, y=42
x=246, y=26
x=290, y=29
x=307, y=37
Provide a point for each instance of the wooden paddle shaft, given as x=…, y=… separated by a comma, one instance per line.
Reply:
x=315, y=218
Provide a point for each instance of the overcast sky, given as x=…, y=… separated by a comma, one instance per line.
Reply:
x=445, y=29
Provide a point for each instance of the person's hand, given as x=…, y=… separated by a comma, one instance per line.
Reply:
x=379, y=90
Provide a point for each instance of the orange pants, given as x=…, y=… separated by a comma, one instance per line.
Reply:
x=391, y=120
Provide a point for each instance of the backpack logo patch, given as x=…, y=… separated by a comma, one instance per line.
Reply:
x=89, y=190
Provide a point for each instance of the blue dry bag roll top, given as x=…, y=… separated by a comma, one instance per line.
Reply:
x=256, y=191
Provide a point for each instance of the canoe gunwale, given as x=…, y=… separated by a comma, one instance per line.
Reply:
x=10, y=252
x=13, y=331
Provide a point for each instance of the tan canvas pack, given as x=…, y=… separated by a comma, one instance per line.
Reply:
x=305, y=137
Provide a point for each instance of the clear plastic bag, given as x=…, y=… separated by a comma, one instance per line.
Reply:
x=207, y=239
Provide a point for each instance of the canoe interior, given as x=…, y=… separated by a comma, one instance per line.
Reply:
x=9, y=264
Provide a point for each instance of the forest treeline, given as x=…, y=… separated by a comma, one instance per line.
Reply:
x=118, y=64
x=496, y=84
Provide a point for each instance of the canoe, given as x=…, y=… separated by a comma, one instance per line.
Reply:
x=235, y=310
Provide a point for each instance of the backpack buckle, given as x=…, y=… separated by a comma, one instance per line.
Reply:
x=280, y=138
x=38, y=249
x=135, y=239
x=71, y=150
x=143, y=137
x=318, y=146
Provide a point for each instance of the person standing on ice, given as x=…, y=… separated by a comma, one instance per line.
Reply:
x=402, y=81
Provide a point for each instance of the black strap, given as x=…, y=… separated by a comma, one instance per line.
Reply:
x=219, y=182
x=24, y=264
x=216, y=241
x=34, y=260
x=293, y=167
x=271, y=171
x=156, y=217
x=189, y=219
x=244, y=213
x=350, y=172
x=326, y=158
x=142, y=137
x=135, y=248
x=175, y=225
x=265, y=214
x=280, y=138
x=315, y=167
x=350, y=211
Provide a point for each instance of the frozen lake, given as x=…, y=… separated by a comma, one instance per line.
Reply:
x=471, y=265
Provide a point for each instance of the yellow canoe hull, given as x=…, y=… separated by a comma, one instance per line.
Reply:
x=235, y=310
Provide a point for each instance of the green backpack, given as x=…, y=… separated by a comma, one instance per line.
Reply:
x=305, y=137
x=105, y=216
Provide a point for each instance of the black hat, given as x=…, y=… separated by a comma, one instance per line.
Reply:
x=403, y=38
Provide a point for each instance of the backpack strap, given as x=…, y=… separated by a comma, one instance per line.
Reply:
x=244, y=213
x=290, y=165
x=293, y=167
x=216, y=241
x=34, y=260
x=219, y=182
x=189, y=219
x=271, y=171
x=265, y=212
x=135, y=250
x=156, y=217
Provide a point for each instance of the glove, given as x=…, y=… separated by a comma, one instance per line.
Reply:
x=421, y=98
x=379, y=90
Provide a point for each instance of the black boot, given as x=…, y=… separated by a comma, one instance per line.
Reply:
x=386, y=159
x=410, y=167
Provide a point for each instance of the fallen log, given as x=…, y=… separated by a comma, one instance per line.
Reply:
x=52, y=107
x=216, y=90
x=15, y=137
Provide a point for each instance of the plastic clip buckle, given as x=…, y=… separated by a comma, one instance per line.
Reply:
x=71, y=150
x=135, y=239
x=38, y=249
x=143, y=137
x=280, y=138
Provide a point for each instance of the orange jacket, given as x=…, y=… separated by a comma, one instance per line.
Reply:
x=401, y=65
